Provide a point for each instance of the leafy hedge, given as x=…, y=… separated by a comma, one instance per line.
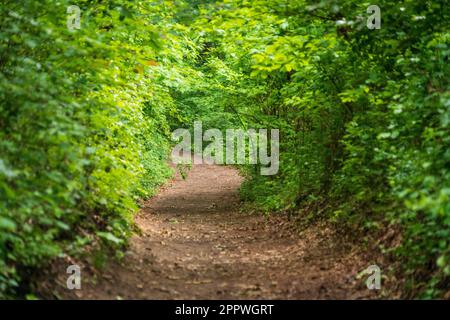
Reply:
x=83, y=129
x=363, y=114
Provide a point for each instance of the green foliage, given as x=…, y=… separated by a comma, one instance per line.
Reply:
x=363, y=114
x=83, y=132
x=85, y=117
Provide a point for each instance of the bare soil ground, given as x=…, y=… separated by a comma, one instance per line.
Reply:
x=196, y=244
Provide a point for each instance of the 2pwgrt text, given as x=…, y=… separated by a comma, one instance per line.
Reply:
x=226, y=309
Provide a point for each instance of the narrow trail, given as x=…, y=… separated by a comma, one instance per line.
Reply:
x=195, y=244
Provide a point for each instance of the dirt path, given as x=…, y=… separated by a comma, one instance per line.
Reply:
x=196, y=244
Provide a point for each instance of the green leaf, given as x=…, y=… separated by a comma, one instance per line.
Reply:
x=7, y=224
x=109, y=237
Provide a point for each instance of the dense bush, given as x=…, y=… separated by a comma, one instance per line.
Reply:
x=363, y=114
x=83, y=129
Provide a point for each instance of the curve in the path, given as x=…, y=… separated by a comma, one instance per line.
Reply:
x=195, y=244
